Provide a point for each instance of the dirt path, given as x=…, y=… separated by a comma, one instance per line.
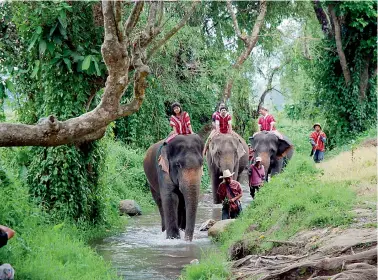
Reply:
x=329, y=253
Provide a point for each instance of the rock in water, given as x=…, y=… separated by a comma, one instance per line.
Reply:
x=129, y=207
x=206, y=225
x=219, y=227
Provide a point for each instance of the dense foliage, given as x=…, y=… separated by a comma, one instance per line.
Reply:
x=345, y=109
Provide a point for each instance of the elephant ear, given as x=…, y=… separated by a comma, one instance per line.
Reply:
x=240, y=150
x=284, y=147
x=163, y=160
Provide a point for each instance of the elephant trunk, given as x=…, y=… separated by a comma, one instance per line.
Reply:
x=227, y=162
x=190, y=188
x=265, y=160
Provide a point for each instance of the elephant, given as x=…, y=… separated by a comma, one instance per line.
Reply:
x=174, y=172
x=226, y=151
x=274, y=152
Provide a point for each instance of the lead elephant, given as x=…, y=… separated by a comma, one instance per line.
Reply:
x=174, y=173
x=226, y=151
x=274, y=152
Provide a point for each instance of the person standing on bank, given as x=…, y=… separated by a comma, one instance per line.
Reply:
x=180, y=120
x=317, y=140
x=257, y=174
x=230, y=192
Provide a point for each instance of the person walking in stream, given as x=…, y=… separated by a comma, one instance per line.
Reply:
x=230, y=192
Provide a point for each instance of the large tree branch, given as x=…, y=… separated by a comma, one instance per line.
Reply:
x=120, y=55
x=339, y=46
x=235, y=22
x=173, y=31
x=251, y=42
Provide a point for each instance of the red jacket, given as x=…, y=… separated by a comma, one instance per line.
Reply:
x=317, y=140
x=181, y=123
x=265, y=122
x=223, y=192
x=223, y=122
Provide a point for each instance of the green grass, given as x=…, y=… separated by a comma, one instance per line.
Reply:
x=293, y=201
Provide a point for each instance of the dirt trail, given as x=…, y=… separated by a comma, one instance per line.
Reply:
x=329, y=253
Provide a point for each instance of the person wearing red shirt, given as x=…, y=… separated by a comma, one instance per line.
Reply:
x=266, y=121
x=317, y=140
x=230, y=192
x=216, y=113
x=223, y=121
x=180, y=120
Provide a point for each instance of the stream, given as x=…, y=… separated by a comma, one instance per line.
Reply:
x=142, y=252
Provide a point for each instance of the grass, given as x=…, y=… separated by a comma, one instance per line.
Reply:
x=296, y=200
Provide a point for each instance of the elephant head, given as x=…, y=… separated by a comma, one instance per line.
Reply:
x=180, y=170
x=226, y=151
x=272, y=150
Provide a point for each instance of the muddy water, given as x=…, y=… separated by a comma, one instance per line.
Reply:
x=142, y=252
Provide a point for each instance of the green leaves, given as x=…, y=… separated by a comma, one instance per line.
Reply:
x=86, y=62
x=35, y=69
x=42, y=47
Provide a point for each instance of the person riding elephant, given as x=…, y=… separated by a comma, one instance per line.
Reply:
x=180, y=120
x=226, y=151
x=174, y=172
x=273, y=150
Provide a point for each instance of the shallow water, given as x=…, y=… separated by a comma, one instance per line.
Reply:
x=142, y=252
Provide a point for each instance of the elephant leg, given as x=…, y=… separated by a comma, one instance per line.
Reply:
x=157, y=199
x=181, y=212
x=170, y=201
x=277, y=166
x=215, y=181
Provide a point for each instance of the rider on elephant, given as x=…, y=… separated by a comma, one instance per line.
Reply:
x=267, y=122
x=180, y=120
x=230, y=192
x=216, y=113
x=222, y=125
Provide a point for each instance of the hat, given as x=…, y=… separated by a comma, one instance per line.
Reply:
x=317, y=124
x=226, y=174
x=258, y=159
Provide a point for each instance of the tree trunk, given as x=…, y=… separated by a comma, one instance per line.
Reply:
x=339, y=45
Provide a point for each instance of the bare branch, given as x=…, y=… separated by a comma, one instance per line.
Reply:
x=251, y=42
x=118, y=19
x=235, y=21
x=133, y=18
x=173, y=31
x=339, y=46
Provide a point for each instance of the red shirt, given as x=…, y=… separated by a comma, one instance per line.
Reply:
x=316, y=137
x=214, y=116
x=181, y=123
x=265, y=122
x=223, y=122
x=223, y=192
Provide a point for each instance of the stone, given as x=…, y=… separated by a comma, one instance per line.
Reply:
x=129, y=207
x=219, y=227
x=206, y=225
x=195, y=261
